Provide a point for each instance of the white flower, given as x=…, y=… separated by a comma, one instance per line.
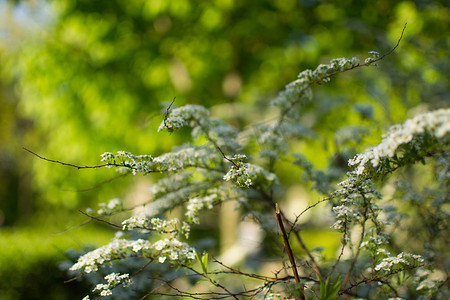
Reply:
x=183, y=116
x=117, y=249
x=105, y=293
x=401, y=260
x=436, y=123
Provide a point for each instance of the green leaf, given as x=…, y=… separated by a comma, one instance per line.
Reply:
x=330, y=289
x=203, y=261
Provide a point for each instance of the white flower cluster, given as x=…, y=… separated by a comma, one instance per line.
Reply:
x=245, y=174
x=239, y=173
x=183, y=116
x=188, y=156
x=173, y=249
x=184, y=157
x=299, y=89
x=343, y=215
x=436, y=123
x=357, y=200
x=137, y=163
x=117, y=249
x=401, y=261
x=112, y=206
x=376, y=240
x=375, y=56
x=107, y=157
x=196, y=204
x=428, y=282
x=356, y=193
x=113, y=280
x=156, y=224
x=135, y=222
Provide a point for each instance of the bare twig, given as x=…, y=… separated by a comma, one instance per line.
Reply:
x=73, y=279
x=292, y=104
x=344, y=243
x=167, y=115
x=289, y=251
x=206, y=132
x=122, y=165
x=101, y=220
x=66, y=164
x=217, y=284
x=302, y=244
x=305, y=210
x=239, y=272
x=75, y=226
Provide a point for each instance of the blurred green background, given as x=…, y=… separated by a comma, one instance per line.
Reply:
x=78, y=78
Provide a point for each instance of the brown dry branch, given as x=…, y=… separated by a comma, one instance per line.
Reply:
x=289, y=251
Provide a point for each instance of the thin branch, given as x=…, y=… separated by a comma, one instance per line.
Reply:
x=75, y=226
x=122, y=165
x=304, y=248
x=344, y=243
x=101, y=220
x=167, y=115
x=305, y=210
x=73, y=279
x=215, y=283
x=66, y=164
x=289, y=250
x=239, y=272
x=395, y=47
x=302, y=245
x=292, y=104
x=206, y=132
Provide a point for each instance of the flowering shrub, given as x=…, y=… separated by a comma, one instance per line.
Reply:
x=371, y=209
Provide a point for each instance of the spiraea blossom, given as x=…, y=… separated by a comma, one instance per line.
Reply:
x=299, y=90
x=160, y=226
x=435, y=124
x=109, y=208
x=117, y=249
x=171, y=249
x=401, y=261
x=113, y=280
x=220, y=165
x=183, y=116
x=245, y=174
x=358, y=190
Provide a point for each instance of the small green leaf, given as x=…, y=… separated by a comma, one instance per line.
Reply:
x=329, y=290
x=203, y=261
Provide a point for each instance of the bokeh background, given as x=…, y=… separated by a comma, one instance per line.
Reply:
x=78, y=78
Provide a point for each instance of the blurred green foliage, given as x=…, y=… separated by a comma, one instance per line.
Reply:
x=30, y=262
x=79, y=78
x=95, y=76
